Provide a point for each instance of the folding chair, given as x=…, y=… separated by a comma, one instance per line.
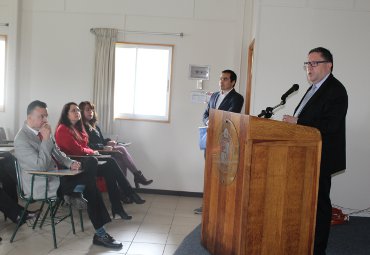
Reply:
x=52, y=202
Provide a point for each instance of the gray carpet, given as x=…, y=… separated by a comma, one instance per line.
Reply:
x=352, y=238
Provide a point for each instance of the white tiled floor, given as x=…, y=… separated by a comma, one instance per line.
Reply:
x=157, y=227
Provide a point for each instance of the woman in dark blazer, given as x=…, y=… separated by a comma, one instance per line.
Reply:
x=97, y=142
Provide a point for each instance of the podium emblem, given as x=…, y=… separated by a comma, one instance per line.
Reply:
x=228, y=158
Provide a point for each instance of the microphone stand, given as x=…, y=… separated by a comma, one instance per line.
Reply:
x=269, y=110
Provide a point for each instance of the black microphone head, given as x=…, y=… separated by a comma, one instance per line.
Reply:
x=295, y=87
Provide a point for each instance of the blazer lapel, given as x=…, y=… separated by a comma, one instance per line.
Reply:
x=214, y=102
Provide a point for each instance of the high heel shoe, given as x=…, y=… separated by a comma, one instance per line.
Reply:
x=136, y=198
x=139, y=178
x=122, y=214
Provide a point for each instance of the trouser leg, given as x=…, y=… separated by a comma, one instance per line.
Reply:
x=9, y=207
x=8, y=176
x=122, y=181
x=108, y=171
x=96, y=209
x=323, y=216
x=126, y=159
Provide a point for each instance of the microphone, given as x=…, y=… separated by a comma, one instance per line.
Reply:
x=269, y=110
x=295, y=87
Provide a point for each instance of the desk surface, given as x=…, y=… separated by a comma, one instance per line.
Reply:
x=6, y=144
x=60, y=172
x=6, y=149
x=100, y=156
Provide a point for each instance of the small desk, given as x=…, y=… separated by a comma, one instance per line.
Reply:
x=101, y=158
x=6, y=144
x=7, y=149
x=61, y=172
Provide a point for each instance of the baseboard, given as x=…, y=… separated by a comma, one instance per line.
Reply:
x=170, y=192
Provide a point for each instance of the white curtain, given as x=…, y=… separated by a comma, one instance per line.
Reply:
x=104, y=76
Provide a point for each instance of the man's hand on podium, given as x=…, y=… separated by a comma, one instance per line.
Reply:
x=290, y=119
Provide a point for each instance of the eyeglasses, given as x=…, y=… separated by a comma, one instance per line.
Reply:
x=75, y=110
x=313, y=63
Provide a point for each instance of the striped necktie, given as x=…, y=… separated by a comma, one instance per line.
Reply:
x=305, y=100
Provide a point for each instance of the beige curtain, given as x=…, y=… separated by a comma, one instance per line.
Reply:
x=104, y=76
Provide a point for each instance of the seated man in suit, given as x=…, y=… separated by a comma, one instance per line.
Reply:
x=35, y=149
x=227, y=99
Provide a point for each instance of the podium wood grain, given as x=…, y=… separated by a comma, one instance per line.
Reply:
x=270, y=207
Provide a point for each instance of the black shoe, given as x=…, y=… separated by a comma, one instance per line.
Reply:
x=121, y=213
x=126, y=200
x=139, y=178
x=137, y=200
x=76, y=200
x=107, y=241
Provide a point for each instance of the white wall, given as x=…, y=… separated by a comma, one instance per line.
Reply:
x=56, y=65
x=286, y=31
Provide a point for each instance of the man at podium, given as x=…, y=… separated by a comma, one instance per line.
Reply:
x=227, y=99
x=324, y=106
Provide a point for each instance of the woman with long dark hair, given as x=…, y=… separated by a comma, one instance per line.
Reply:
x=97, y=142
x=72, y=139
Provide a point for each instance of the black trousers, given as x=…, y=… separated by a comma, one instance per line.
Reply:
x=10, y=208
x=96, y=209
x=323, y=216
x=8, y=176
x=113, y=176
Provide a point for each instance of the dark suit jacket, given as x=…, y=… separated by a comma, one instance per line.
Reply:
x=233, y=102
x=96, y=139
x=326, y=111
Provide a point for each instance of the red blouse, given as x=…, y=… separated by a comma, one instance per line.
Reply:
x=69, y=144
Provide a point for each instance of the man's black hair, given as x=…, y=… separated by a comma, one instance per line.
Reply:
x=35, y=104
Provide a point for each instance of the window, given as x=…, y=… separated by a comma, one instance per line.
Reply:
x=2, y=70
x=142, y=81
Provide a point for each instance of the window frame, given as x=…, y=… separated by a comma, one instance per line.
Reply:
x=5, y=38
x=150, y=118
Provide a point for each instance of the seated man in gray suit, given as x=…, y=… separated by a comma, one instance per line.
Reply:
x=35, y=149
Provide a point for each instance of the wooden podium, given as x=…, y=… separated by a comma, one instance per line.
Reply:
x=260, y=186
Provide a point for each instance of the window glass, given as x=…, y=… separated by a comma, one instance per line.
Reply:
x=142, y=81
x=2, y=70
